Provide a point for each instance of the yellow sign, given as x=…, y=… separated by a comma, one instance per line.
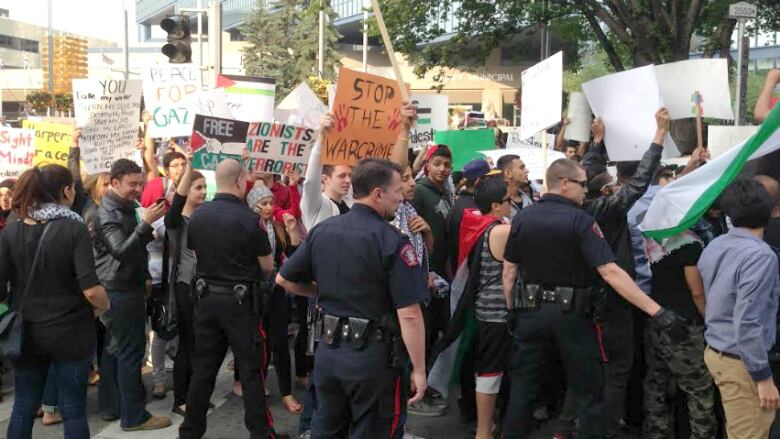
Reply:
x=52, y=141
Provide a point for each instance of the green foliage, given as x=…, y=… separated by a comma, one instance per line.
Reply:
x=40, y=100
x=282, y=42
x=629, y=32
x=63, y=102
x=269, y=34
x=307, y=42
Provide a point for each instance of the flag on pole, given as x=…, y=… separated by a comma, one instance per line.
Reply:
x=679, y=205
x=461, y=330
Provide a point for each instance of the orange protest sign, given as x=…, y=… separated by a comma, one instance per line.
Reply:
x=367, y=112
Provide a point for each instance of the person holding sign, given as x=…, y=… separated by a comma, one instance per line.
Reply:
x=326, y=187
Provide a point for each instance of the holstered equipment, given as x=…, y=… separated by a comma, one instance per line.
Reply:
x=568, y=298
x=201, y=289
x=314, y=320
x=330, y=327
x=356, y=331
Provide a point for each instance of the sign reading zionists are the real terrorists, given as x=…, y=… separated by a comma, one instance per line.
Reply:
x=367, y=111
x=278, y=148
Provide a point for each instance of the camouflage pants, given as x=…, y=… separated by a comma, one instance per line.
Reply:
x=683, y=363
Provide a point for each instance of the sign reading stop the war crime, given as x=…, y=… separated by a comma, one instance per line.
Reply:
x=367, y=112
x=169, y=91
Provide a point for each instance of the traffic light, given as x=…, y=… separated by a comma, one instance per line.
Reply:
x=178, y=49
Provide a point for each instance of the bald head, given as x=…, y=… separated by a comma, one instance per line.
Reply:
x=227, y=175
x=560, y=169
x=773, y=188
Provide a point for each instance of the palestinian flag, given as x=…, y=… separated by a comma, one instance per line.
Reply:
x=679, y=205
x=461, y=330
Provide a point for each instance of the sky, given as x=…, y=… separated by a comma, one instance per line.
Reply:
x=104, y=20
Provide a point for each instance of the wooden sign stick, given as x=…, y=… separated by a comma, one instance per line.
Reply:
x=389, y=47
x=544, y=158
x=697, y=108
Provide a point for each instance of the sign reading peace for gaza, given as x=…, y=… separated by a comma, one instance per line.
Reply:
x=169, y=90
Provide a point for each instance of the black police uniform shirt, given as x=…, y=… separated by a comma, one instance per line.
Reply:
x=363, y=266
x=227, y=240
x=557, y=244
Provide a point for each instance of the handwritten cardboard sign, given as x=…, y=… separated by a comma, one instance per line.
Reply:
x=215, y=139
x=276, y=148
x=17, y=150
x=367, y=110
x=168, y=89
x=108, y=112
x=431, y=117
x=541, y=101
x=52, y=142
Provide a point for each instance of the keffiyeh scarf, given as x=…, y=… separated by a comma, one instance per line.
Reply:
x=52, y=211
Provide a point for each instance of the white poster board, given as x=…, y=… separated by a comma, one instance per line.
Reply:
x=579, y=118
x=627, y=102
x=301, y=108
x=168, y=90
x=541, y=98
x=250, y=98
x=432, y=112
x=721, y=138
x=108, y=112
x=17, y=151
x=679, y=81
x=532, y=157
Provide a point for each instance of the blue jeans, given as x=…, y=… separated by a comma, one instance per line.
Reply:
x=121, y=392
x=50, y=394
x=71, y=379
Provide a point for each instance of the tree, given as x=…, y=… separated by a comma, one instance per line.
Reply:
x=269, y=33
x=40, y=100
x=307, y=41
x=630, y=32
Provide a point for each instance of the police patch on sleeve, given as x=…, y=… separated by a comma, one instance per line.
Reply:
x=597, y=230
x=409, y=256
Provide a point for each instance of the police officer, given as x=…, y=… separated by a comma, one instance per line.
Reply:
x=368, y=283
x=555, y=246
x=233, y=255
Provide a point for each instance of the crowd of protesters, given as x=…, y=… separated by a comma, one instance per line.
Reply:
x=90, y=258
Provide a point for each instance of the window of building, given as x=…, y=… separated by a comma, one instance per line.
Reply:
x=236, y=35
x=14, y=43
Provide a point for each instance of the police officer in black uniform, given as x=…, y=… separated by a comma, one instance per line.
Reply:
x=556, y=248
x=370, y=285
x=233, y=255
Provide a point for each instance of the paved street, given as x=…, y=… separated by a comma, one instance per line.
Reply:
x=227, y=421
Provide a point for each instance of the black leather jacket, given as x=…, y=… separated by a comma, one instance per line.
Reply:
x=120, y=242
x=610, y=211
